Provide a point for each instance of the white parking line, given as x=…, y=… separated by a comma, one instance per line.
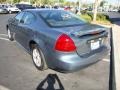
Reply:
x=3, y=88
x=4, y=39
x=3, y=35
x=106, y=60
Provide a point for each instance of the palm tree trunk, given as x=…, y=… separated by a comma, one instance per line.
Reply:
x=95, y=9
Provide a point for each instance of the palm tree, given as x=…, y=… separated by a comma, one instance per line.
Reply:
x=96, y=4
x=1, y=1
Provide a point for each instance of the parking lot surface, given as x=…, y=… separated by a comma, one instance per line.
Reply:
x=17, y=71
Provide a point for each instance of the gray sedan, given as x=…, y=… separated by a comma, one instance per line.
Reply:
x=3, y=10
x=58, y=39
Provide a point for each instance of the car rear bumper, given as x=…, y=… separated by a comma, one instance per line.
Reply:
x=15, y=11
x=73, y=62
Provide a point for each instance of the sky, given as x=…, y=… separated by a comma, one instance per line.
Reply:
x=90, y=1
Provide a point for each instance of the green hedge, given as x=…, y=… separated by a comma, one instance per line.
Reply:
x=100, y=17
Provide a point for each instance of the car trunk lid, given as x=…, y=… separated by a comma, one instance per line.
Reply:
x=87, y=38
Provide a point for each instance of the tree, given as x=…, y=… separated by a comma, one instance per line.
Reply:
x=9, y=1
x=102, y=3
x=1, y=1
x=96, y=4
x=45, y=1
x=16, y=1
x=61, y=1
x=67, y=3
x=77, y=3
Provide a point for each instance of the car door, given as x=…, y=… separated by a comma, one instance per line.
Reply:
x=26, y=29
x=15, y=25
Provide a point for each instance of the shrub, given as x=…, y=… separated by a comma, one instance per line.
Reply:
x=100, y=17
x=84, y=12
x=86, y=17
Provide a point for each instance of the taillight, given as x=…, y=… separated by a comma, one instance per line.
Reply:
x=65, y=43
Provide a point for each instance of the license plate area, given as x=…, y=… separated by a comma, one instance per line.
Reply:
x=94, y=44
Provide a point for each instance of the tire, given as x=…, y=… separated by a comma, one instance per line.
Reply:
x=10, y=35
x=38, y=58
x=10, y=12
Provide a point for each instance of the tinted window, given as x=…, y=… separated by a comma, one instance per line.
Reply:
x=19, y=16
x=28, y=18
x=24, y=6
x=61, y=18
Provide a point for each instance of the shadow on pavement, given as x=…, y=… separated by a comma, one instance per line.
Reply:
x=51, y=80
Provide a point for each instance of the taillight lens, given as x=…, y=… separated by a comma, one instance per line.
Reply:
x=65, y=43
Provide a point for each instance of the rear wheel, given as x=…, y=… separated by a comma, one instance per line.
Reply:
x=10, y=35
x=38, y=58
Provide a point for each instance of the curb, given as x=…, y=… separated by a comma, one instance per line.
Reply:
x=115, y=58
x=112, y=85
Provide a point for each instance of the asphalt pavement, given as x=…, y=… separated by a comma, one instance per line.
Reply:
x=17, y=71
x=114, y=17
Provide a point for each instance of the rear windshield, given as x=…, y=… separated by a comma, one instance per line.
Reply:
x=61, y=18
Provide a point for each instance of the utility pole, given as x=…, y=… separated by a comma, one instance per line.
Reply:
x=118, y=4
x=95, y=10
x=29, y=1
x=79, y=6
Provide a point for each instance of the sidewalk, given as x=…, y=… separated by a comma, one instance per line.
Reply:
x=116, y=57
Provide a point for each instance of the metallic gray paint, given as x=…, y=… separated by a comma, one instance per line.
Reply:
x=46, y=37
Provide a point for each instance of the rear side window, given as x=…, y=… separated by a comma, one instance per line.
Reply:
x=28, y=18
x=19, y=16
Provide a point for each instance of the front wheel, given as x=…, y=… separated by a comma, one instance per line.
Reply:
x=10, y=12
x=10, y=35
x=38, y=58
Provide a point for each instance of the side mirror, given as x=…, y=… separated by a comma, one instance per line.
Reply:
x=21, y=21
